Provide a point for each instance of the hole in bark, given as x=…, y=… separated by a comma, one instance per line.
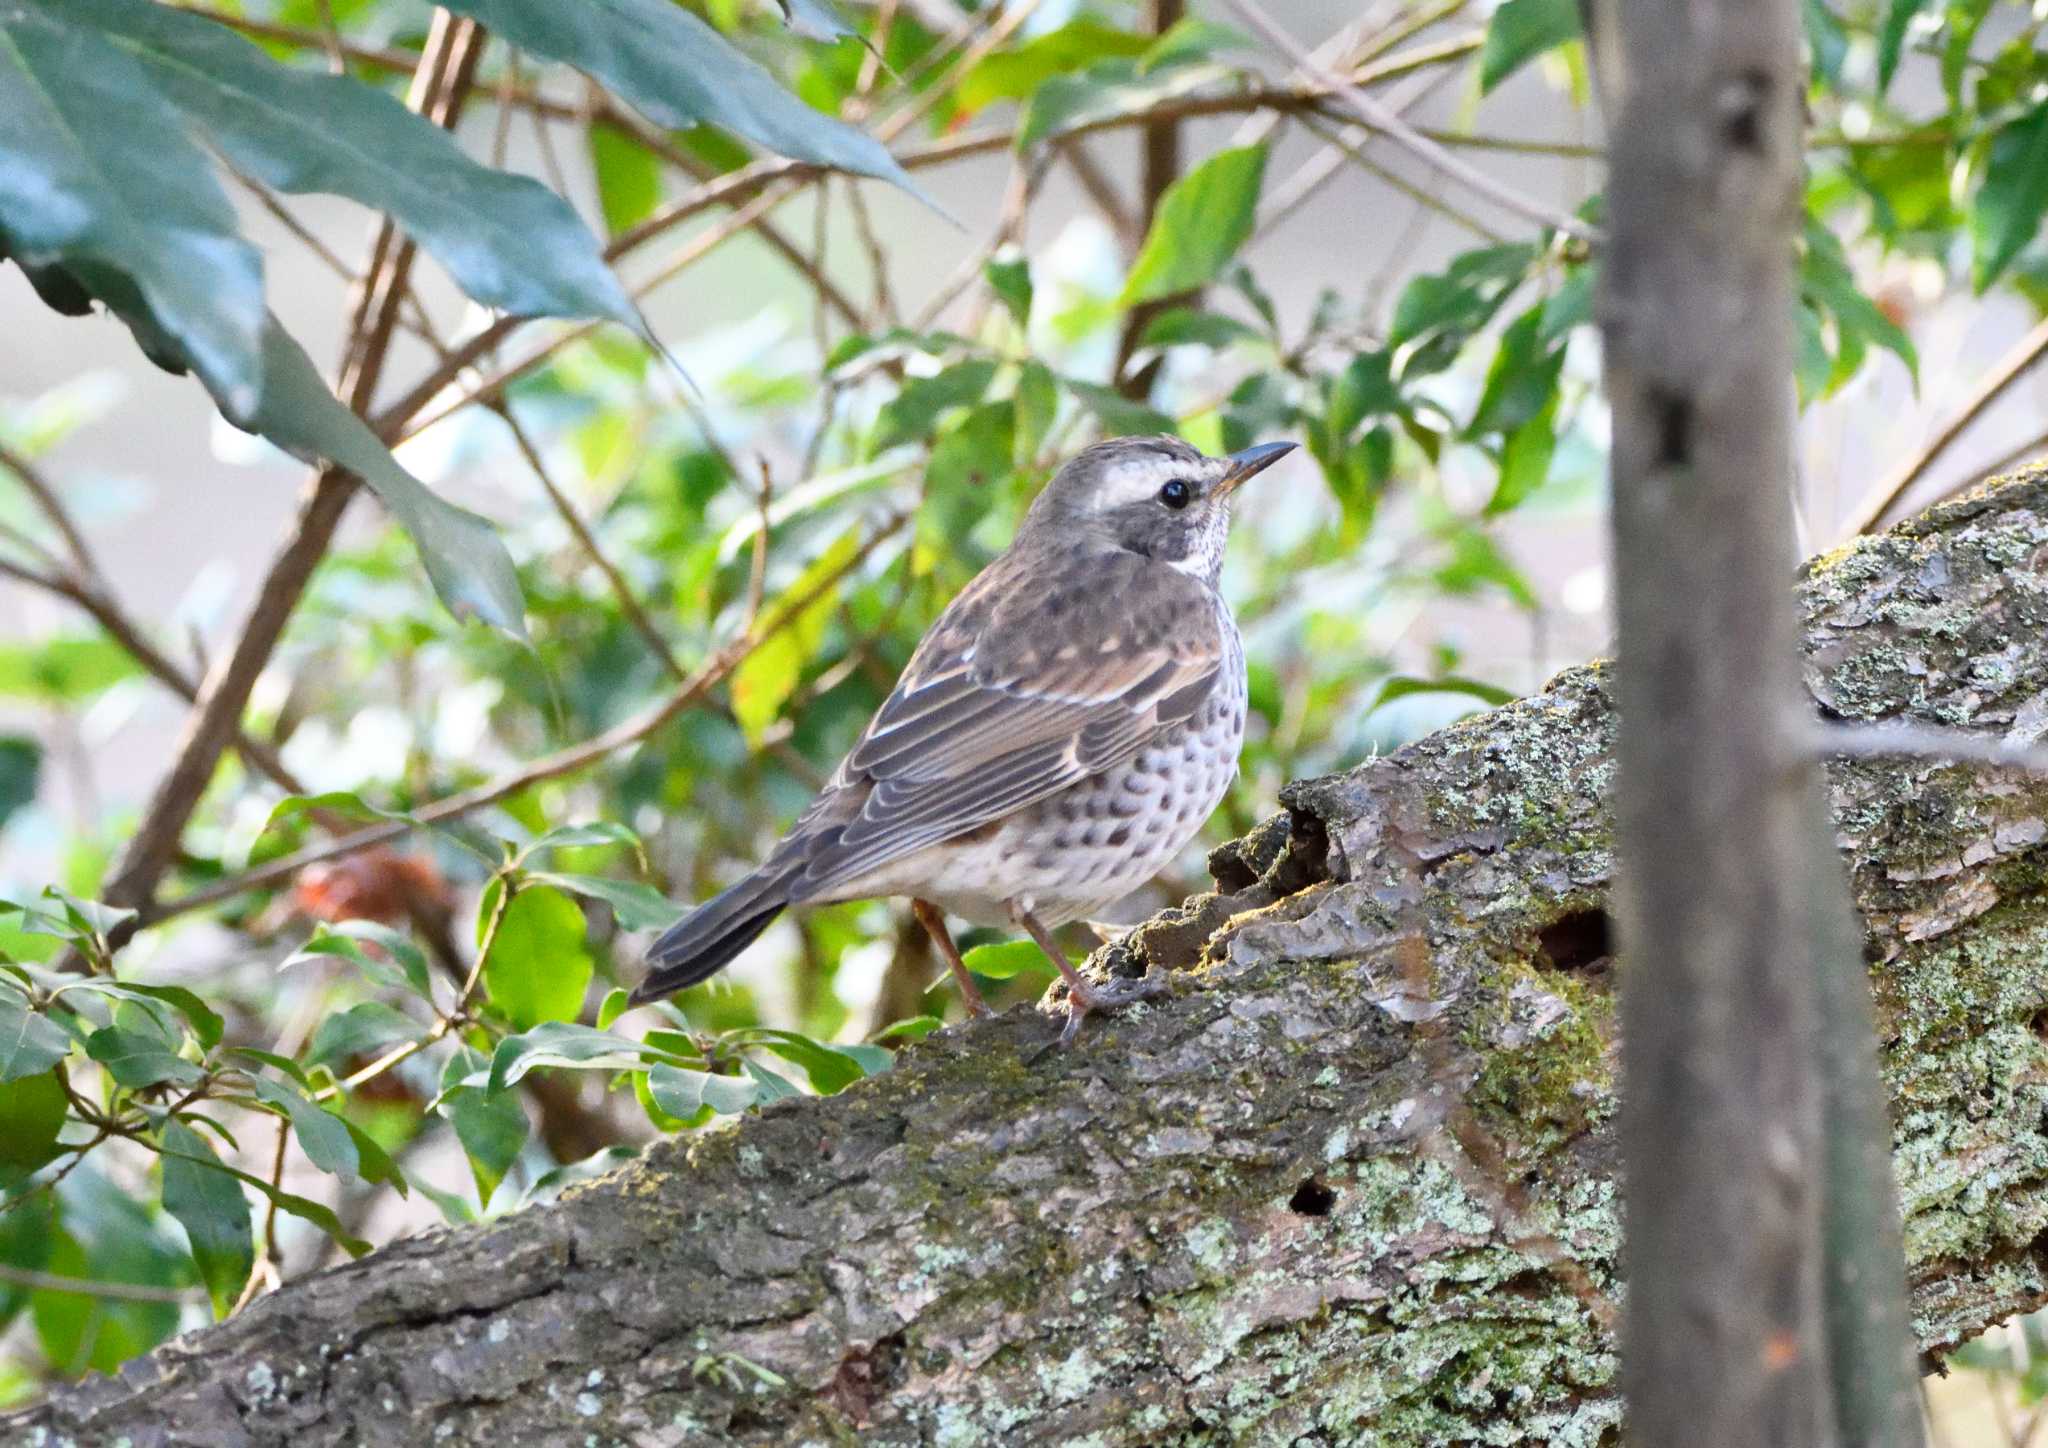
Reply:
x=1671, y=414
x=1742, y=105
x=2038, y=1024
x=1311, y=1199
x=865, y=1377
x=1578, y=941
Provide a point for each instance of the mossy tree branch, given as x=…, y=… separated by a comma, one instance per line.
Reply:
x=1354, y=1181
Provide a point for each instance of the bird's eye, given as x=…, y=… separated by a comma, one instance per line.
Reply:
x=1175, y=494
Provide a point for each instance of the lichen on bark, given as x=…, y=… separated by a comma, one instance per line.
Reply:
x=1353, y=1182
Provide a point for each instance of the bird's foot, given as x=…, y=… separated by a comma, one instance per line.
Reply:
x=1085, y=997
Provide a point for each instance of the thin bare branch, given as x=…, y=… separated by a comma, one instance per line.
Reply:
x=622, y=591
x=1380, y=118
x=2017, y=361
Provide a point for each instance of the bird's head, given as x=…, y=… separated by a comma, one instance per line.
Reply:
x=1151, y=495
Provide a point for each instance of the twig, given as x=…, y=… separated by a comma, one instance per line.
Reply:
x=121, y=1291
x=622, y=591
x=2022, y=355
x=565, y=761
x=52, y=507
x=1835, y=740
x=1421, y=195
x=1381, y=118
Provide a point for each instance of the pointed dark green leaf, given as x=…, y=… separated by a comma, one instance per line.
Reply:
x=31, y=1115
x=21, y=760
x=467, y=562
x=209, y=1204
x=1202, y=220
x=2014, y=194
x=1891, y=38
x=678, y=71
x=137, y=1059
x=1521, y=30
x=97, y=173
x=562, y=1043
x=29, y=1041
x=361, y=1030
x=507, y=240
x=682, y=1092
x=491, y=1125
x=637, y=906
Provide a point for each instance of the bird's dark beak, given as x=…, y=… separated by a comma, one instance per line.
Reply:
x=1251, y=462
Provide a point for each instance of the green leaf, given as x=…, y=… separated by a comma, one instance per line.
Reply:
x=914, y=1028
x=1438, y=314
x=31, y=1115
x=1202, y=220
x=1891, y=38
x=361, y=1030
x=628, y=178
x=1826, y=279
x=637, y=906
x=1106, y=91
x=1186, y=327
x=562, y=1043
x=915, y=409
x=1522, y=379
x=830, y=1068
x=136, y=1059
x=30, y=1042
x=469, y=566
x=1525, y=458
x=2007, y=213
x=1826, y=38
x=598, y=832
x=763, y=682
x=1009, y=277
x=1521, y=30
x=209, y=1205
x=21, y=760
x=1009, y=959
x=682, y=1092
x=491, y=1125
x=1012, y=73
x=678, y=71
x=1119, y=416
x=773, y=1085
x=1400, y=686
x=80, y=1330
x=617, y=1001
x=345, y=939
x=101, y=177
x=507, y=240
x=539, y=967
x=331, y=1143
x=300, y=1207
x=63, y=669
x=815, y=19
x=205, y=1022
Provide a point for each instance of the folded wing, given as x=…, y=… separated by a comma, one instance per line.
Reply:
x=1016, y=694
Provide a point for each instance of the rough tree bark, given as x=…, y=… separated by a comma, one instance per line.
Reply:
x=1337, y=1189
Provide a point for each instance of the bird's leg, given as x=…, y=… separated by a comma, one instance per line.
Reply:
x=935, y=926
x=1083, y=995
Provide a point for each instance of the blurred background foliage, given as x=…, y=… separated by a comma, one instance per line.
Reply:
x=379, y=983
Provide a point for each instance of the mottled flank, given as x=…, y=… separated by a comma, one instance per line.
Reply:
x=1351, y=1184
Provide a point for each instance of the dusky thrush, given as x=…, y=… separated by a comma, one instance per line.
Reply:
x=1060, y=734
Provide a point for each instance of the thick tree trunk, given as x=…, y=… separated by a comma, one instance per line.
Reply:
x=1354, y=1182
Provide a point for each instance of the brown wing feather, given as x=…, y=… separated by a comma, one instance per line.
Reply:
x=1015, y=694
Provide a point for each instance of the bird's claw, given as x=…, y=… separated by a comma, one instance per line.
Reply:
x=1085, y=997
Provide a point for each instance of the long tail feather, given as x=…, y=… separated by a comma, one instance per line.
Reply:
x=710, y=937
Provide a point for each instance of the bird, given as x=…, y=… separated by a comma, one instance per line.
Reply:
x=1063, y=730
